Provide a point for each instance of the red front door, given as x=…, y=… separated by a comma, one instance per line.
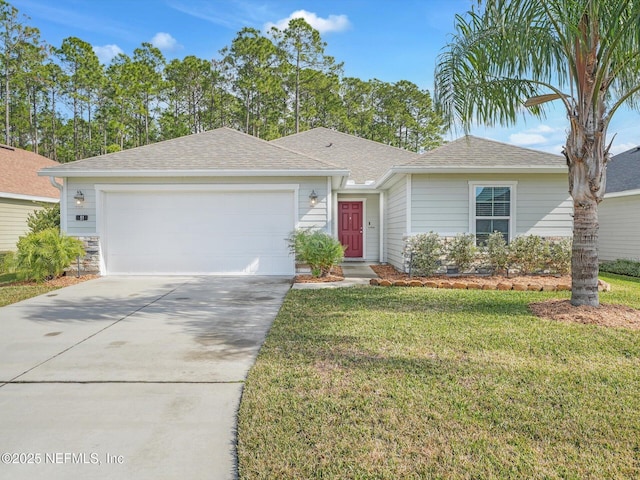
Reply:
x=350, y=228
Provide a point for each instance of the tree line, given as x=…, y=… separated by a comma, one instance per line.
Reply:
x=61, y=102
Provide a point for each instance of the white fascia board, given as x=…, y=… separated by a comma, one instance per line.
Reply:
x=192, y=173
x=624, y=193
x=30, y=198
x=466, y=169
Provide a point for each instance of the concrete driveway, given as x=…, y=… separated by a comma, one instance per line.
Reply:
x=130, y=377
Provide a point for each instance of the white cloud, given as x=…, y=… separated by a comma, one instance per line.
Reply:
x=333, y=23
x=164, y=41
x=622, y=147
x=526, y=139
x=107, y=52
x=542, y=129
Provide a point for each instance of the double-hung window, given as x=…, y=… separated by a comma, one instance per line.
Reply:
x=491, y=210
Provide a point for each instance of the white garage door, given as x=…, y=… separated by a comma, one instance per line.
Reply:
x=197, y=232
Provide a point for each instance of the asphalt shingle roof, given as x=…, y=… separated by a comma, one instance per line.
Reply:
x=219, y=149
x=20, y=173
x=470, y=151
x=623, y=171
x=367, y=160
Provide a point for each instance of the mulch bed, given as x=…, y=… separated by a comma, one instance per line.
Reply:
x=63, y=281
x=605, y=315
x=336, y=275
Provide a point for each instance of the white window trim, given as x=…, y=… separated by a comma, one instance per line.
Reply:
x=512, y=206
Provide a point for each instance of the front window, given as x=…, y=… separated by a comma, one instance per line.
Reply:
x=492, y=212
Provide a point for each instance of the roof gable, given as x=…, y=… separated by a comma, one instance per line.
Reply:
x=20, y=173
x=623, y=171
x=474, y=152
x=367, y=160
x=222, y=149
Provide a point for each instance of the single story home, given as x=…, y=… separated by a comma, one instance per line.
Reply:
x=223, y=202
x=619, y=212
x=22, y=192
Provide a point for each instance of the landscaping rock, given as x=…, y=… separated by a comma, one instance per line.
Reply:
x=473, y=286
x=603, y=286
x=400, y=283
x=459, y=285
x=384, y=283
x=504, y=286
x=563, y=287
x=446, y=285
x=521, y=287
x=374, y=281
x=415, y=283
x=548, y=288
x=534, y=287
x=431, y=284
x=489, y=286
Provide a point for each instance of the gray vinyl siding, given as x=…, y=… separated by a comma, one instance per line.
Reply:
x=13, y=221
x=619, y=219
x=396, y=223
x=371, y=227
x=441, y=203
x=308, y=217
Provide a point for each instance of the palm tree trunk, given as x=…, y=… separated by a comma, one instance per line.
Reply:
x=584, y=255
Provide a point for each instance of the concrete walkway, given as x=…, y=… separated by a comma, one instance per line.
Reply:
x=354, y=274
x=136, y=377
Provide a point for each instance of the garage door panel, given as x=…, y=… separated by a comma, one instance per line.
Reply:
x=206, y=232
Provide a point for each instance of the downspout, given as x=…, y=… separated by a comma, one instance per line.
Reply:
x=63, y=203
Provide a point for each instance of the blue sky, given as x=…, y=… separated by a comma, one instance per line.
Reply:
x=383, y=39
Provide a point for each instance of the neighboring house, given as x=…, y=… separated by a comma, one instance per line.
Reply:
x=22, y=192
x=619, y=212
x=223, y=202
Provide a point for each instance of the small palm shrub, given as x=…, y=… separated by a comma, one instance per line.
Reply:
x=45, y=254
x=424, y=250
x=317, y=249
x=462, y=251
x=497, y=252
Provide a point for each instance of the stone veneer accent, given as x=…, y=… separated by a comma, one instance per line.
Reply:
x=91, y=261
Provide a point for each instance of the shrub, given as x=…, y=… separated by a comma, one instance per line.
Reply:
x=497, y=252
x=45, y=254
x=630, y=268
x=424, y=250
x=7, y=262
x=529, y=253
x=48, y=217
x=560, y=256
x=317, y=249
x=462, y=251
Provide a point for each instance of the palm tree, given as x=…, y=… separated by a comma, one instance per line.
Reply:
x=510, y=55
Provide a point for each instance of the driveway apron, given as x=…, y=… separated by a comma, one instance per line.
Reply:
x=130, y=377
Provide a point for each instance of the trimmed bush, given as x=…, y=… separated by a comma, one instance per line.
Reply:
x=560, y=256
x=497, y=252
x=462, y=251
x=48, y=217
x=45, y=254
x=529, y=253
x=630, y=268
x=317, y=249
x=424, y=250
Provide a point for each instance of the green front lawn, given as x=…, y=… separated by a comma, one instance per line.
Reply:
x=10, y=293
x=424, y=383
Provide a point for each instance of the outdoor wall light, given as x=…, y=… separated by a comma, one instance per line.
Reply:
x=79, y=197
x=313, y=198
